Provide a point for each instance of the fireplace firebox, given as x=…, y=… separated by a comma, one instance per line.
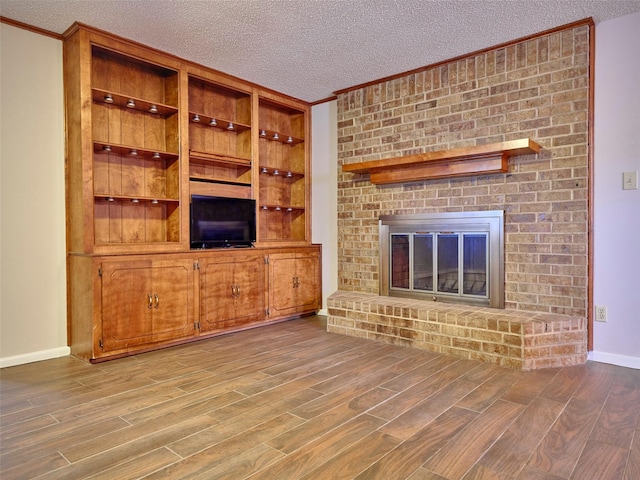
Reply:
x=451, y=257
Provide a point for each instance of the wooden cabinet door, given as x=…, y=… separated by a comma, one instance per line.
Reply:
x=308, y=282
x=294, y=280
x=146, y=301
x=282, y=272
x=173, y=304
x=231, y=291
x=216, y=293
x=249, y=280
x=127, y=304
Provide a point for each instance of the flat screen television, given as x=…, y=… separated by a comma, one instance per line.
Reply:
x=220, y=222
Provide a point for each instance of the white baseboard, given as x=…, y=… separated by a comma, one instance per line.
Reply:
x=323, y=312
x=34, y=356
x=612, y=358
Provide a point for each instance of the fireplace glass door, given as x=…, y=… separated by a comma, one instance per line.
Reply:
x=423, y=262
x=454, y=257
x=446, y=263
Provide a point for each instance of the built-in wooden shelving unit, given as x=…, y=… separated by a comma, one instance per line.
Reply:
x=477, y=160
x=146, y=132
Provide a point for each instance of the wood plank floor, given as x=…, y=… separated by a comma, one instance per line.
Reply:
x=291, y=401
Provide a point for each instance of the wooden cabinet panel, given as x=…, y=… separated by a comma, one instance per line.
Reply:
x=146, y=301
x=231, y=291
x=217, y=283
x=173, y=300
x=294, y=283
x=307, y=282
x=282, y=273
x=126, y=304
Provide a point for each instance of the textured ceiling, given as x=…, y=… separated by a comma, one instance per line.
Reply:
x=311, y=48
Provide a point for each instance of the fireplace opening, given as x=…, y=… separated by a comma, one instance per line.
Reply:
x=454, y=257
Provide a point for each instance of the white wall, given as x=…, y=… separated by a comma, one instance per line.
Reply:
x=32, y=219
x=324, y=192
x=617, y=211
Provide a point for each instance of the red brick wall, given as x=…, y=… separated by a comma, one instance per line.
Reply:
x=538, y=89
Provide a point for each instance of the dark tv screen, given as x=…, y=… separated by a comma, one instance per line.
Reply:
x=220, y=222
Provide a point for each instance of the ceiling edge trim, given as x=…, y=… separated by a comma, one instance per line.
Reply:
x=324, y=100
x=587, y=21
x=31, y=28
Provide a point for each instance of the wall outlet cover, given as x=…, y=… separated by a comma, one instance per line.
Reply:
x=630, y=180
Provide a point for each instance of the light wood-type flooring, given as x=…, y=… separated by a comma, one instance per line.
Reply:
x=291, y=401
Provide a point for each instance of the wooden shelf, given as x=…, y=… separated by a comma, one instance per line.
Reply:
x=135, y=199
x=477, y=160
x=131, y=151
x=281, y=208
x=219, y=123
x=219, y=175
x=275, y=172
x=215, y=180
x=133, y=103
x=274, y=136
x=216, y=158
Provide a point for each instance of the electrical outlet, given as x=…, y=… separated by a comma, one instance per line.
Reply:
x=601, y=313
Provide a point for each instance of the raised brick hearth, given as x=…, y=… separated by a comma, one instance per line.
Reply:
x=515, y=339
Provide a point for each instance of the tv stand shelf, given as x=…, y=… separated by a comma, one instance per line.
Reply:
x=218, y=158
x=213, y=180
x=216, y=168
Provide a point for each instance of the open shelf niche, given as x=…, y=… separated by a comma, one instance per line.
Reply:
x=220, y=141
x=136, y=174
x=283, y=185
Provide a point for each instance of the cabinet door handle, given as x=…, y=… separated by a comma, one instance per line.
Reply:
x=238, y=290
x=157, y=300
x=150, y=298
x=233, y=291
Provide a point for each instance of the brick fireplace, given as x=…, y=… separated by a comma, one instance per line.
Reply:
x=537, y=88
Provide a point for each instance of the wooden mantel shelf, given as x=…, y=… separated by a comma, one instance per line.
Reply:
x=478, y=160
